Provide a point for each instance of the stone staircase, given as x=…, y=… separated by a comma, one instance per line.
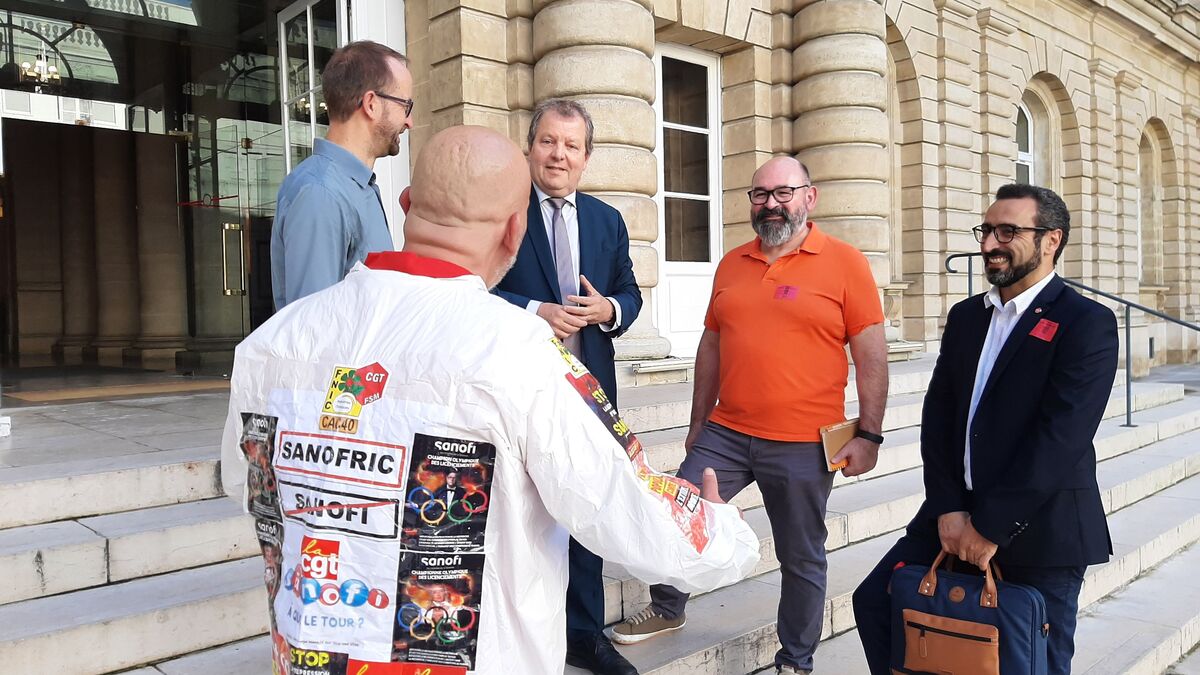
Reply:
x=120, y=559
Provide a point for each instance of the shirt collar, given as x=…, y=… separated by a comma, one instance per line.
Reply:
x=417, y=265
x=1022, y=301
x=814, y=243
x=345, y=160
x=542, y=196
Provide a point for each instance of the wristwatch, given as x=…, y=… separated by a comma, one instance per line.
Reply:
x=874, y=438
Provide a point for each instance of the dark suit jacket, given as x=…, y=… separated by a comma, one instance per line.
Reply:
x=1033, y=464
x=603, y=259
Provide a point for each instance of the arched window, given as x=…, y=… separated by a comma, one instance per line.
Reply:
x=1026, y=163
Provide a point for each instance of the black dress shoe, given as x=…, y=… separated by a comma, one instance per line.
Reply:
x=597, y=654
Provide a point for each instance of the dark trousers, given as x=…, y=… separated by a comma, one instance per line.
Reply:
x=585, y=593
x=873, y=605
x=795, y=487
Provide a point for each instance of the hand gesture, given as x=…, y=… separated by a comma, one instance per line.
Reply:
x=561, y=322
x=592, y=307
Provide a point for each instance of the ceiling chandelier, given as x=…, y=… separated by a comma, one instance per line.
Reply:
x=41, y=75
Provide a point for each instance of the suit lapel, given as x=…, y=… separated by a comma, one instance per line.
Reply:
x=589, y=243
x=1020, y=332
x=976, y=333
x=535, y=231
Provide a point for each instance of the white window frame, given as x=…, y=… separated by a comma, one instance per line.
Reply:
x=1028, y=159
x=712, y=62
x=314, y=78
x=716, y=226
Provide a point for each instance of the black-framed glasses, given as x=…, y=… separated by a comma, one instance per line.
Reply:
x=406, y=102
x=782, y=194
x=1003, y=233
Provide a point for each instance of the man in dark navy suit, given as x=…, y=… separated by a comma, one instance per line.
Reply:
x=574, y=271
x=1019, y=388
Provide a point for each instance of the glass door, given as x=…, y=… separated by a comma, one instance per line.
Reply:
x=689, y=197
x=309, y=32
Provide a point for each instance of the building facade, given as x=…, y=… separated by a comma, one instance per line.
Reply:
x=909, y=114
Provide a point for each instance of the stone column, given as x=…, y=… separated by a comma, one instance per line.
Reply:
x=998, y=98
x=78, y=246
x=841, y=131
x=750, y=107
x=599, y=52
x=161, y=262
x=1102, y=247
x=117, y=299
x=1181, y=249
x=467, y=49
x=1128, y=136
x=961, y=204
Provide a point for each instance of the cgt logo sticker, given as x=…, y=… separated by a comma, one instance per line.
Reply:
x=319, y=558
x=349, y=390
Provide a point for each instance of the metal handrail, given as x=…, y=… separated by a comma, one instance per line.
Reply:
x=1129, y=307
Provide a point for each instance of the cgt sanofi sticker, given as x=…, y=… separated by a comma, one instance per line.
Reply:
x=349, y=390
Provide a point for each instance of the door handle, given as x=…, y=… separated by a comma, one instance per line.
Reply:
x=236, y=228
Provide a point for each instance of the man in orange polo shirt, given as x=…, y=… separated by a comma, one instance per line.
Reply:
x=783, y=308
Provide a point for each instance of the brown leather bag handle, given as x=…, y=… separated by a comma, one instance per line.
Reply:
x=989, y=597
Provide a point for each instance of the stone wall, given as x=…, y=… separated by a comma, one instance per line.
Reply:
x=905, y=111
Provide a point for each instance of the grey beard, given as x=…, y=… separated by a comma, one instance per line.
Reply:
x=773, y=234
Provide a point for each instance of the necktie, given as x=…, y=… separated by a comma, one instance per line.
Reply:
x=563, y=266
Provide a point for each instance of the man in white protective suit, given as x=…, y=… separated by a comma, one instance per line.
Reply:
x=415, y=452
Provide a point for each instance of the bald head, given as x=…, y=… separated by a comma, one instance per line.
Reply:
x=470, y=188
x=781, y=169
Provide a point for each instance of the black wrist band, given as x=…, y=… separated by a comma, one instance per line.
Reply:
x=874, y=438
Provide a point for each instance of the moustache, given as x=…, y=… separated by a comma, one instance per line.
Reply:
x=767, y=213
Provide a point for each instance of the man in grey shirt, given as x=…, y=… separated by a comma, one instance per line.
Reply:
x=329, y=213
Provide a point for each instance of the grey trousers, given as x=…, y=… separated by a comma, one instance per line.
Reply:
x=795, y=488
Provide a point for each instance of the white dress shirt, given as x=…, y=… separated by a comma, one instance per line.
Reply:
x=570, y=215
x=1005, y=316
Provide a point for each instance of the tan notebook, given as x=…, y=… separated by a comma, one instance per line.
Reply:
x=834, y=437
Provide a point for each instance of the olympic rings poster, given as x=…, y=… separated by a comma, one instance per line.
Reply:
x=446, y=499
x=437, y=617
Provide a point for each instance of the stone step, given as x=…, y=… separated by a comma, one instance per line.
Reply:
x=665, y=444
x=124, y=625
x=665, y=406
x=245, y=657
x=1188, y=665
x=50, y=558
x=44, y=493
x=732, y=630
x=1143, y=628
x=1111, y=440
x=868, y=509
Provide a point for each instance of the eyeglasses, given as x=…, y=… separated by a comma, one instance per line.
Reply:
x=406, y=102
x=1003, y=233
x=782, y=194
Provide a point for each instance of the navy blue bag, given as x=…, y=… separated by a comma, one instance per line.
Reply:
x=963, y=624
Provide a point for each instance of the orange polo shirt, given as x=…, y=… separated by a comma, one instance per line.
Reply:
x=784, y=328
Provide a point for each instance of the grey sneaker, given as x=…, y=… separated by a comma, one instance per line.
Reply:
x=645, y=625
x=785, y=669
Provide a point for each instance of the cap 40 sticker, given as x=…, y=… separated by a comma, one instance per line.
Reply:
x=349, y=390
